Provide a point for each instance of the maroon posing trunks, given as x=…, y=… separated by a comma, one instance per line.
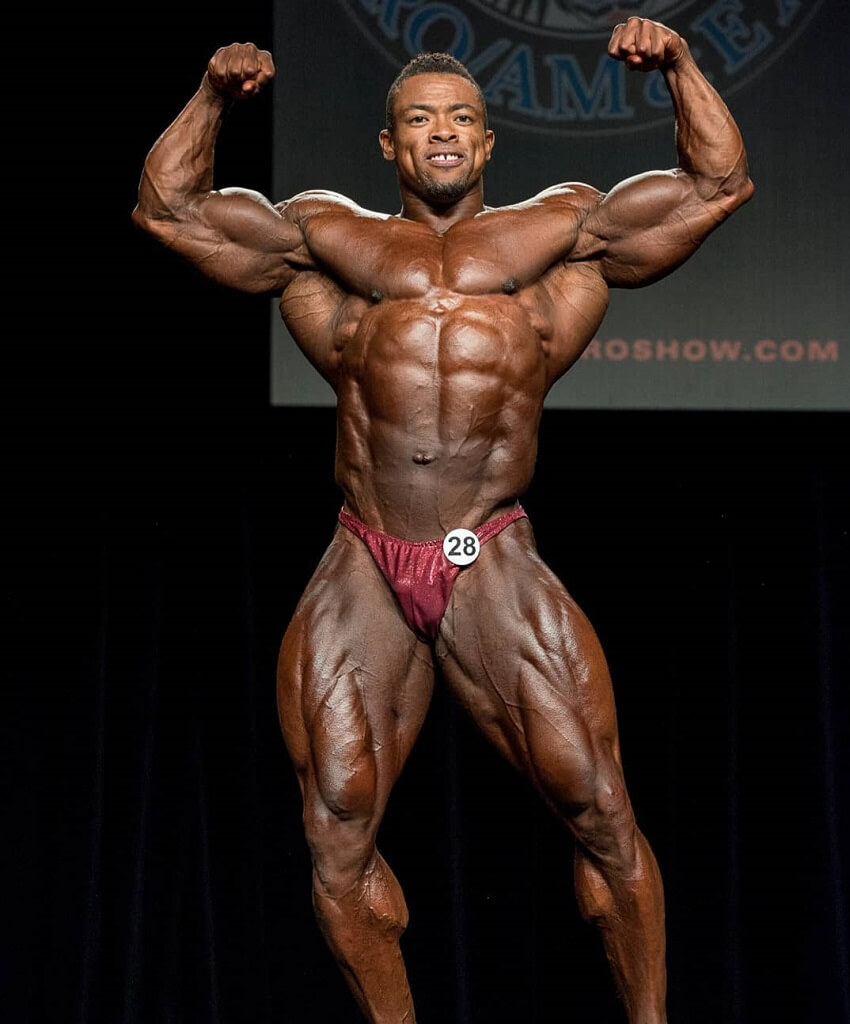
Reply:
x=419, y=573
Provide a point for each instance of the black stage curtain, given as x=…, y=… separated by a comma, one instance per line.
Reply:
x=160, y=521
x=160, y=873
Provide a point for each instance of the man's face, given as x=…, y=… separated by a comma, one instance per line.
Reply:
x=438, y=142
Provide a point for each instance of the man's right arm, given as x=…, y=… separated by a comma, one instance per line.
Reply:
x=235, y=236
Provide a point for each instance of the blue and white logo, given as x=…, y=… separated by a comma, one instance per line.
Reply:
x=543, y=64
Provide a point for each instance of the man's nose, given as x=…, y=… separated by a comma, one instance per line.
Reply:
x=443, y=133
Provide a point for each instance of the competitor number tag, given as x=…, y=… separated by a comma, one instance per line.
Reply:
x=461, y=546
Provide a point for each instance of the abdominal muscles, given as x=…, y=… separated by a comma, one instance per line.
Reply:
x=439, y=402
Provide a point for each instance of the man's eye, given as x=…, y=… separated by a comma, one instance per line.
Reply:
x=465, y=118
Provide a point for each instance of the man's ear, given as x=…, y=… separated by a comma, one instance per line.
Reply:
x=385, y=140
x=489, y=142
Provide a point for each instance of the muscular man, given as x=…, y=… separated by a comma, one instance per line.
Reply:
x=441, y=328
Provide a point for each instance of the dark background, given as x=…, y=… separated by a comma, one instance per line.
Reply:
x=160, y=521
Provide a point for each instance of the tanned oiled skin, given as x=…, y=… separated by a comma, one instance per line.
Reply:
x=441, y=362
x=441, y=330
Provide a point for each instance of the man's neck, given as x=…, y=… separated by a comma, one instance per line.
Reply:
x=441, y=216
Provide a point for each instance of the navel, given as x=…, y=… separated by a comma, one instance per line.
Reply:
x=423, y=458
x=511, y=286
x=376, y=295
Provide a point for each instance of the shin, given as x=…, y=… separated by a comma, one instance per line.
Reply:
x=619, y=890
x=362, y=914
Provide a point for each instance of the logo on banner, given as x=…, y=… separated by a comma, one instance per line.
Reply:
x=543, y=64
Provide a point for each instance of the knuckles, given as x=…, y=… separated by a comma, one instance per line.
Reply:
x=241, y=61
x=631, y=38
x=235, y=65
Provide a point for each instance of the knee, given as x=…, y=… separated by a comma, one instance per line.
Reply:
x=585, y=787
x=589, y=794
x=342, y=847
x=605, y=824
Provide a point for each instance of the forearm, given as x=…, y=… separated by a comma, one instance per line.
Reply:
x=178, y=170
x=709, y=145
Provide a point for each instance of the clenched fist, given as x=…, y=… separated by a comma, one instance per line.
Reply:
x=646, y=45
x=239, y=70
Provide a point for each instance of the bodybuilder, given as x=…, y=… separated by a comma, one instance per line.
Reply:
x=441, y=328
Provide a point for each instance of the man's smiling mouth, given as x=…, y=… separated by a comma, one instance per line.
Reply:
x=445, y=159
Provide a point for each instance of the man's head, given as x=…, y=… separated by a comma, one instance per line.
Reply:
x=433, y=64
x=436, y=131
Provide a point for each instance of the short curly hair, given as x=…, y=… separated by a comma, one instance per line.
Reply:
x=430, y=64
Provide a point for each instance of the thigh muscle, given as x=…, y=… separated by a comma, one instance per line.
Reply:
x=526, y=663
x=354, y=685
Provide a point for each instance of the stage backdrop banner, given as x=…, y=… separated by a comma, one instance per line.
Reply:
x=756, y=319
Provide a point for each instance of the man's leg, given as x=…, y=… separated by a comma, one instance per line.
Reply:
x=354, y=686
x=526, y=663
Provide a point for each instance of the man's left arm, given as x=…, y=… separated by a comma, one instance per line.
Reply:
x=650, y=224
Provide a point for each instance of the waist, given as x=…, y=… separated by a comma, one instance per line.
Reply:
x=483, y=530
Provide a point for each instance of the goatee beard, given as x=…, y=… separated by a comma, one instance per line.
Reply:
x=445, y=191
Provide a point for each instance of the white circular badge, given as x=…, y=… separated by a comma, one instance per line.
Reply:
x=461, y=546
